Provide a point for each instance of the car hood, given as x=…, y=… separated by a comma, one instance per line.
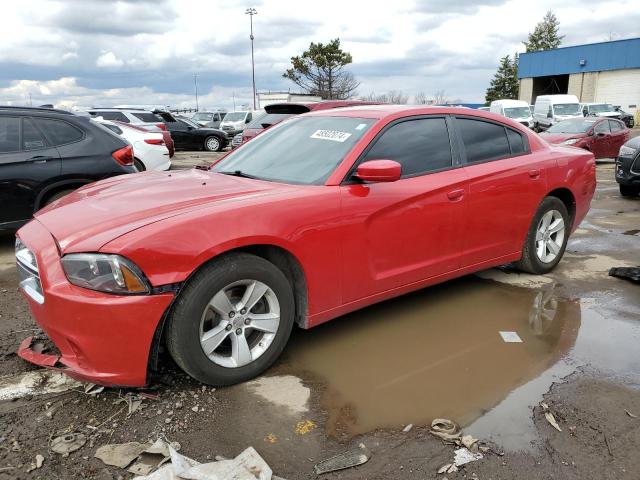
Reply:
x=560, y=137
x=92, y=216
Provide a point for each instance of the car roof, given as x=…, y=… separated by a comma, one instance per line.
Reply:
x=17, y=108
x=384, y=110
x=113, y=109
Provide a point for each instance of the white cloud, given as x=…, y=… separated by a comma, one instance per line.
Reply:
x=109, y=60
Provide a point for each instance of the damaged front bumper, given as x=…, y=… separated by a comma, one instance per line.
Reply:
x=102, y=338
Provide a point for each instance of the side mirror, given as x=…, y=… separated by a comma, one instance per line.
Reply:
x=379, y=171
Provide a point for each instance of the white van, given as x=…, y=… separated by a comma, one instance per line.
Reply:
x=234, y=122
x=550, y=109
x=517, y=110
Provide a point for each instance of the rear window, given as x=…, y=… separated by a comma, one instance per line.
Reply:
x=516, y=142
x=121, y=117
x=483, y=141
x=147, y=117
x=9, y=134
x=59, y=132
x=269, y=119
x=616, y=126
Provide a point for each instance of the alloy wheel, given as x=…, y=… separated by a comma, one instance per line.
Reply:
x=550, y=236
x=239, y=323
x=213, y=144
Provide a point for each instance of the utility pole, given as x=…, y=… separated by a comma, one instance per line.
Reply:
x=195, y=81
x=251, y=12
x=30, y=102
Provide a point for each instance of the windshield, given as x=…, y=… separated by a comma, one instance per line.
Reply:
x=579, y=125
x=301, y=151
x=517, y=112
x=566, y=108
x=235, y=116
x=269, y=119
x=601, y=107
x=202, y=117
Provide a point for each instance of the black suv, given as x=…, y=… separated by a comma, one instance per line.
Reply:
x=47, y=153
x=628, y=168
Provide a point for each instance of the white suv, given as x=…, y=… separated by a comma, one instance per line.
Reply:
x=134, y=116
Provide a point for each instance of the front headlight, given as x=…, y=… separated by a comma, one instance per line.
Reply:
x=626, y=151
x=105, y=273
x=571, y=141
x=25, y=256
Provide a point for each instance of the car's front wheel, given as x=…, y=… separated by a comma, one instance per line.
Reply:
x=212, y=144
x=547, y=237
x=629, y=191
x=232, y=320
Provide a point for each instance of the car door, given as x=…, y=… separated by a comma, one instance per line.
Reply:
x=619, y=135
x=403, y=232
x=601, y=144
x=506, y=184
x=27, y=164
x=182, y=138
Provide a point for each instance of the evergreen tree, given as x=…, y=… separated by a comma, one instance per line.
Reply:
x=505, y=81
x=545, y=35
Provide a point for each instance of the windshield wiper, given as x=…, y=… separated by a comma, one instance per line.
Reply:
x=240, y=173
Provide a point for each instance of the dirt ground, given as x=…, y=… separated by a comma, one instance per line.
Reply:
x=359, y=380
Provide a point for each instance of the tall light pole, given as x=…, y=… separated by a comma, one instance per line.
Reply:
x=195, y=81
x=251, y=12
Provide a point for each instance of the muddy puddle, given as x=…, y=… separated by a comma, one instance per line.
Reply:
x=439, y=353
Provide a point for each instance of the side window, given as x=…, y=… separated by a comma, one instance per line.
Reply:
x=615, y=126
x=602, y=127
x=517, y=142
x=9, y=134
x=58, y=132
x=121, y=117
x=31, y=137
x=483, y=141
x=420, y=146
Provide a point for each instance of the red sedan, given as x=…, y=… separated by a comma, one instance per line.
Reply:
x=318, y=216
x=601, y=136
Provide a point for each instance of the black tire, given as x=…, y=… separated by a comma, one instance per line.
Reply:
x=139, y=165
x=530, y=262
x=213, y=144
x=629, y=190
x=183, y=324
x=56, y=196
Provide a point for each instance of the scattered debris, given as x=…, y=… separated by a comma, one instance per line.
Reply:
x=463, y=455
x=445, y=429
x=120, y=455
x=448, y=468
x=151, y=458
x=271, y=438
x=37, y=464
x=70, y=442
x=630, y=414
x=628, y=273
x=407, y=428
x=510, y=337
x=351, y=458
x=36, y=382
x=305, y=426
x=93, y=389
x=549, y=416
x=133, y=403
x=470, y=443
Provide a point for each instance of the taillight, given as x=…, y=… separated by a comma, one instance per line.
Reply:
x=154, y=141
x=124, y=156
x=161, y=126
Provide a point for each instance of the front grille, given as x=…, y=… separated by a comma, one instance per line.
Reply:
x=635, y=165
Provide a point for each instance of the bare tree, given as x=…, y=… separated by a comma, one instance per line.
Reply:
x=420, y=98
x=440, y=98
x=396, y=97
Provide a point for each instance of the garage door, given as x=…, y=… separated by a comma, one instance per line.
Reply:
x=620, y=87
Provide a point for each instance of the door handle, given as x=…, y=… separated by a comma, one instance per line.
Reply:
x=455, y=195
x=534, y=174
x=40, y=159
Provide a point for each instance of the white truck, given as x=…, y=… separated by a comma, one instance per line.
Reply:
x=517, y=110
x=551, y=109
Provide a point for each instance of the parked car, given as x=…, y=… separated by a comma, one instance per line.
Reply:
x=550, y=109
x=628, y=168
x=135, y=116
x=318, y=216
x=627, y=118
x=603, y=137
x=235, y=122
x=517, y=110
x=188, y=135
x=47, y=153
x=277, y=112
x=150, y=152
x=236, y=141
x=599, y=110
x=208, y=119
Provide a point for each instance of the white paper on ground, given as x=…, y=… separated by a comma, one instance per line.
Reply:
x=510, y=337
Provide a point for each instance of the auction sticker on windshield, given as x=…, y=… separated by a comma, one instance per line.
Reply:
x=333, y=135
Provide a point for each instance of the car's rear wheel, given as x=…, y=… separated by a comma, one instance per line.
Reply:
x=629, y=191
x=213, y=144
x=232, y=320
x=139, y=165
x=547, y=237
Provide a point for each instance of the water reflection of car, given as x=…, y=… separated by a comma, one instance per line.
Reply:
x=601, y=136
x=320, y=215
x=628, y=168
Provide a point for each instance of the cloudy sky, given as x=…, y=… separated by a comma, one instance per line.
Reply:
x=107, y=52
